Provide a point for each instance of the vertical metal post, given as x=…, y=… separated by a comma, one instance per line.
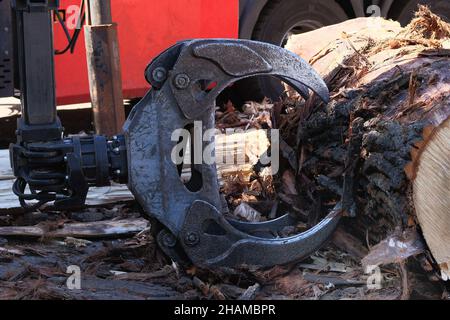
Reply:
x=103, y=59
x=35, y=58
x=6, y=51
x=37, y=70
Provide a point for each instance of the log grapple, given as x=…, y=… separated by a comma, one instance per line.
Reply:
x=185, y=79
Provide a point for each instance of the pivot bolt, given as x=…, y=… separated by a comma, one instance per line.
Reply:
x=191, y=239
x=181, y=81
x=159, y=74
x=169, y=240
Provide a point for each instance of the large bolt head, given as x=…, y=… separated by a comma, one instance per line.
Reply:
x=191, y=239
x=169, y=240
x=159, y=74
x=181, y=81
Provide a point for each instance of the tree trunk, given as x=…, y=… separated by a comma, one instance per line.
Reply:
x=382, y=145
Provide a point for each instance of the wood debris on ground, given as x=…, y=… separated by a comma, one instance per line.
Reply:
x=132, y=267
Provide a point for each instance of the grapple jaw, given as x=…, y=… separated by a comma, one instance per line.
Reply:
x=225, y=61
x=186, y=79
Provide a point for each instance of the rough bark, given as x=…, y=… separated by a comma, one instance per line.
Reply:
x=390, y=87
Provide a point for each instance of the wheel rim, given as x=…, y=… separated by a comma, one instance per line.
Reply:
x=300, y=27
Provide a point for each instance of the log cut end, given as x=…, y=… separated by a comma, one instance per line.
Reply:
x=431, y=194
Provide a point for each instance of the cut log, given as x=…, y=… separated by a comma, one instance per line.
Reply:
x=384, y=138
x=431, y=194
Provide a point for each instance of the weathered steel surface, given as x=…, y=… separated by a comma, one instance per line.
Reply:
x=186, y=80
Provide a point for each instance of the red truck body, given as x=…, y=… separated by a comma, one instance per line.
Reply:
x=146, y=27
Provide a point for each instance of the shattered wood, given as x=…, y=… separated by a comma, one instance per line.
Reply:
x=395, y=81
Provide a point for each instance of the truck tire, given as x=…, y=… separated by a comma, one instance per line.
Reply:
x=278, y=19
x=439, y=7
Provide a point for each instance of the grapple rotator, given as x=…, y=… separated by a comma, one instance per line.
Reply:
x=192, y=224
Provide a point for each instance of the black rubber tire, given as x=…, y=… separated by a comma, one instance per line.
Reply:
x=276, y=20
x=439, y=7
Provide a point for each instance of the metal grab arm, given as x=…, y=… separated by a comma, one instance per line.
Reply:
x=186, y=80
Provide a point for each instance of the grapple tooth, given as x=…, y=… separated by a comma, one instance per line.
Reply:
x=233, y=248
x=226, y=61
x=243, y=58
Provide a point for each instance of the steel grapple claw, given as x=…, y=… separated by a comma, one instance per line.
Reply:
x=186, y=79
